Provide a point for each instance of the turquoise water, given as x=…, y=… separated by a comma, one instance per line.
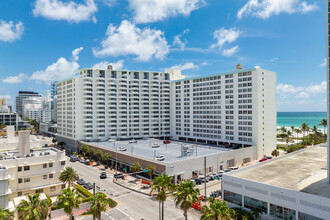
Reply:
x=288, y=119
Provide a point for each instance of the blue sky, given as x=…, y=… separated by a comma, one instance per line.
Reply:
x=45, y=40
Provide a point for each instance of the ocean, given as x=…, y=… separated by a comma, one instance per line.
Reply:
x=288, y=119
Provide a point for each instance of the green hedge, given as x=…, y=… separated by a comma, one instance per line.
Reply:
x=84, y=191
x=112, y=203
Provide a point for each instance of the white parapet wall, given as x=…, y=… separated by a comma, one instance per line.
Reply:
x=10, y=134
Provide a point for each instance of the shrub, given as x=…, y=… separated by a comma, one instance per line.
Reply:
x=292, y=149
x=112, y=203
x=83, y=191
x=106, y=166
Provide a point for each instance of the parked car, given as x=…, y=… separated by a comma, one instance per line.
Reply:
x=197, y=181
x=233, y=168
x=73, y=158
x=263, y=159
x=160, y=158
x=82, y=160
x=122, y=149
x=269, y=157
x=87, y=162
x=155, y=145
x=103, y=175
x=166, y=142
x=227, y=170
x=119, y=176
x=132, y=141
x=202, y=179
x=81, y=182
x=220, y=173
x=88, y=186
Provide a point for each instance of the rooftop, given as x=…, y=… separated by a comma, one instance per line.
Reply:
x=304, y=170
x=171, y=152
x=9, y=155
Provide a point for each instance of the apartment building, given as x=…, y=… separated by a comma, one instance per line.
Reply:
x=22, y=95
x=37, y=108
x=102, y=104
x=236, y=108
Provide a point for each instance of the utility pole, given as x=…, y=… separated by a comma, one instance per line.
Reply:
x=205, y=175
x=94, y=196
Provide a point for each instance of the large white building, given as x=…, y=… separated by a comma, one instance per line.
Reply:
x=23, y=95
x=37, y=108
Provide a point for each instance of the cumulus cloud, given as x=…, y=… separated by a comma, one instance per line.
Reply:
x=115, y=65
x=15, y=79
x=127, y=39
x=66, y=10
x=266, y=8
x=9, y=31
x=59, y=70
x=181, y=43
x=324, y=62
x=230, y=52
x=145, y=11
x=223, y=36
x=301, y=92
x=185, y=66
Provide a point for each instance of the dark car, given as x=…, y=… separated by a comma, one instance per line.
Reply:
x=119, y=176
x=88, y=186
x=87, y=162
x=74, y=159
x=81, y=182
x=103, y=175
x=198, y=181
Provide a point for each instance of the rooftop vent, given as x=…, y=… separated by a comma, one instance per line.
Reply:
x=109, y=67
x=239, y=67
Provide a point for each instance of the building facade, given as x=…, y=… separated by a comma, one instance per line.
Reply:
x=37, y=108
x=19, y=99
x=237, y=108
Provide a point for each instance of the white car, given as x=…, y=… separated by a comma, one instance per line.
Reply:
x=155, y=145
x=160, y=158
x=122, y=149
x=132, y=141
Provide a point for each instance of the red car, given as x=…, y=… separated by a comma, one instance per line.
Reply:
x=263, y=159
x=166, y=141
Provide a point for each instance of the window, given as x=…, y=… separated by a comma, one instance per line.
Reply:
x=39, y=191
x=63, y=186
x=19, y=169
x=51, y=176
x=53, y=188
x=62, y=163
x=20, y=180
x=44, y=165
x=50, y=165
x=27, y=180
x=252, y=203
x=44, y=177
x=304, y=216
x=282, y=212
x=26, y=168
x=19, y=193
x=233, y=197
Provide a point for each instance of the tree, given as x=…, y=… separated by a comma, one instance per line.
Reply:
x=62, y=144
x=288, y=137
x=255, y=213
x=136, y=167
x=99, y=204
x=283, y=129
x=275, y=153
x=217, y=210
x=2, y=126
x=68, y=175
x=6, y=214
x=324, y=123
x=297, y=131
x=150, y=170
x=69, y=199
x=185, y=195
x=304, y=128
x=106, y=157
x=84, y=149
x=33, y=208
x=316, y=133
x=161, y=184
x=91, y=152
x=292, y=130
x=98, y=155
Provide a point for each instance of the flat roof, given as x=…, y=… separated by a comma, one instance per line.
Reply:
x=304, y=170
x=171, y=152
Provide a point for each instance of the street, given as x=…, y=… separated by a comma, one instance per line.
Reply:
x=131, y=205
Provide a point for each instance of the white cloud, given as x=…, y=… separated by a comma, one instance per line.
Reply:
x=115, y=65
x=230, y=52
x=68, y=10
x=180, y=43
x=10, y=32
x=204, y=63
x=185, y=66
x=301, y=92
x=146, y=11
x=223, y=36
x=287, y=88
x=15, y=79
x=274, y=59
x=302, y=95
x=127, y=39
x=59, y=70
x=317, y=88
x=266, y=8
x=324, y=62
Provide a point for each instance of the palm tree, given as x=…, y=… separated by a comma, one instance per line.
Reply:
x=6, y=214
x=98, y=155
x=217, y=210
x=288, y=133
x=297, y=131
x=304, y=128
x=292, y=129
x=91, y=152
x=69, y=199
x=106, y=157
x=84, y=149
x=33, y=208
x=68, y=175
x=161, y=184
x=324, y=123
x=151, y=170
x=275, y=153
x=315, y=130
x=185, y=195
x=136, y=167
x=283, y=129
x=99, y=204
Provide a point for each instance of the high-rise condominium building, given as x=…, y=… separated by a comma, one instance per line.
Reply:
x=237, y=108
x=53, y=90
x=328, y=80
x=102, y=104
x=22, y=95
x=37, y=108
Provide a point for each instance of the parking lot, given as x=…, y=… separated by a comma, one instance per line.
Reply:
x=171, y=151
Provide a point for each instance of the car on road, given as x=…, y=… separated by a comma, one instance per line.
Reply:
x=119, y=176
x=263, y=159
x=211, y=177
x=132, y=141
x=73, y=158
x=122, y=149
x=103, y=175
x=220, y=173
x=166, y=142
x=160, y=158
x=88, y=186
x=197, y=181
x=227, y=170
x=202, y=179
x=81, y=181
x=155, y=145
x=82, y=160
x=87, y=162
x=233, y=168
x=269, y=157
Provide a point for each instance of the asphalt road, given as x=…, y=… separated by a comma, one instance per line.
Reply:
x=131, y=205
